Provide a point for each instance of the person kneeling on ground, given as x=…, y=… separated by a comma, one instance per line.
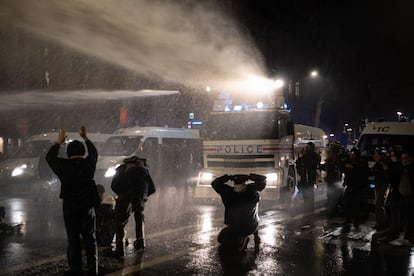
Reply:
x=105, y=218
x=241, y=209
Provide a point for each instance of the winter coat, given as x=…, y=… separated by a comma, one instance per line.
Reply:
x=76, y=175
x=241, y=208
x=134, y=183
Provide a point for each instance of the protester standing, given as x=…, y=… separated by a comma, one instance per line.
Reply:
x=355, y=182
x=307, y=166
x=394, y=196
x=407, y=194
x=380, y=173
x=133, y=184
x=333, y=169
x=77, y=191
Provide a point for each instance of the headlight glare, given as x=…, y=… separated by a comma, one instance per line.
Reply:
x=271, y=176
x=110, y=172
x=206, y=176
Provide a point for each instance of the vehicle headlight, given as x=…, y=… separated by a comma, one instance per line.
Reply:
x=271, y=176
x=206, y=176
x=110, y=172
x=19, y=170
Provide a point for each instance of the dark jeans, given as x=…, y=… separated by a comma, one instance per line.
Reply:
x=80, y=222
x=334, y=197
x=308, y=197
x=395, y=210
x=352, y=202
x=123, y=210
x=105, y=224
x=231, y=236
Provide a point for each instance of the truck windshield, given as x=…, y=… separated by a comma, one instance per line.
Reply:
x=120, y=146
x=246, y=126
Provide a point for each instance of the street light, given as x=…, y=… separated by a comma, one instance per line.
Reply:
x=314, y=74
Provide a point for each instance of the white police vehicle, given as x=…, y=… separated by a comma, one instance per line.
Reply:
x=170, y=152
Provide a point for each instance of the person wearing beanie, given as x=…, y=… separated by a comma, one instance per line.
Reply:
x=76, y=175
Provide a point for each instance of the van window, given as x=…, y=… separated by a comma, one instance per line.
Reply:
x=149, y=148
x=368, y=142
x=120, y=146
x=33, y=149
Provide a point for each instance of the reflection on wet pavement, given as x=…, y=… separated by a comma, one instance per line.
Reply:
x=182, y=239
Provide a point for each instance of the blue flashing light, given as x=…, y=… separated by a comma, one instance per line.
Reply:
x=372, y=185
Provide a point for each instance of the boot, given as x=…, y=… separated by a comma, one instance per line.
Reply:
x=139, y=244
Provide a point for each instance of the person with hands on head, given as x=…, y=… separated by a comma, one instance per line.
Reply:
x=241, y=209
x=76, y=176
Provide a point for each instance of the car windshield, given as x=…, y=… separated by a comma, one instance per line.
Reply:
x=120, y=146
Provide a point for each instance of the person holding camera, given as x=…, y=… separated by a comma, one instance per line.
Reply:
x=241, y=208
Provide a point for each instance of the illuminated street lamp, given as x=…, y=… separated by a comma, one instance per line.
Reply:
x=314, y=74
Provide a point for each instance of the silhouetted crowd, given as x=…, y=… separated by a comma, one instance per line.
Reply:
x=383, y=180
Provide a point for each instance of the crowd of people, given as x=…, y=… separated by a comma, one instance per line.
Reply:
x=350, y=178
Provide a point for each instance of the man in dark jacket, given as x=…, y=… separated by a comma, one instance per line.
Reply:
x=241, y=208
x=76, y=177
x=355, y=183
x=406, y=189
x=307, y=166
x=133, y=184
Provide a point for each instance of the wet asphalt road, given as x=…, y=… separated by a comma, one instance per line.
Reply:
x=181, y=240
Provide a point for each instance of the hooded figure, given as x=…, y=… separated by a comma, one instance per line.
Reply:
x=133, y=184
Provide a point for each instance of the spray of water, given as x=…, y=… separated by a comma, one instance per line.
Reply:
x=179, y=41
x=36, y=99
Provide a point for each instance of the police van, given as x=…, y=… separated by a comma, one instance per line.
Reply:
x=385, y=135
x=170, y=152
x=28, y=162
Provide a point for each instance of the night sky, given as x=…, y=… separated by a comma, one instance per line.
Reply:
x=363, y=50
